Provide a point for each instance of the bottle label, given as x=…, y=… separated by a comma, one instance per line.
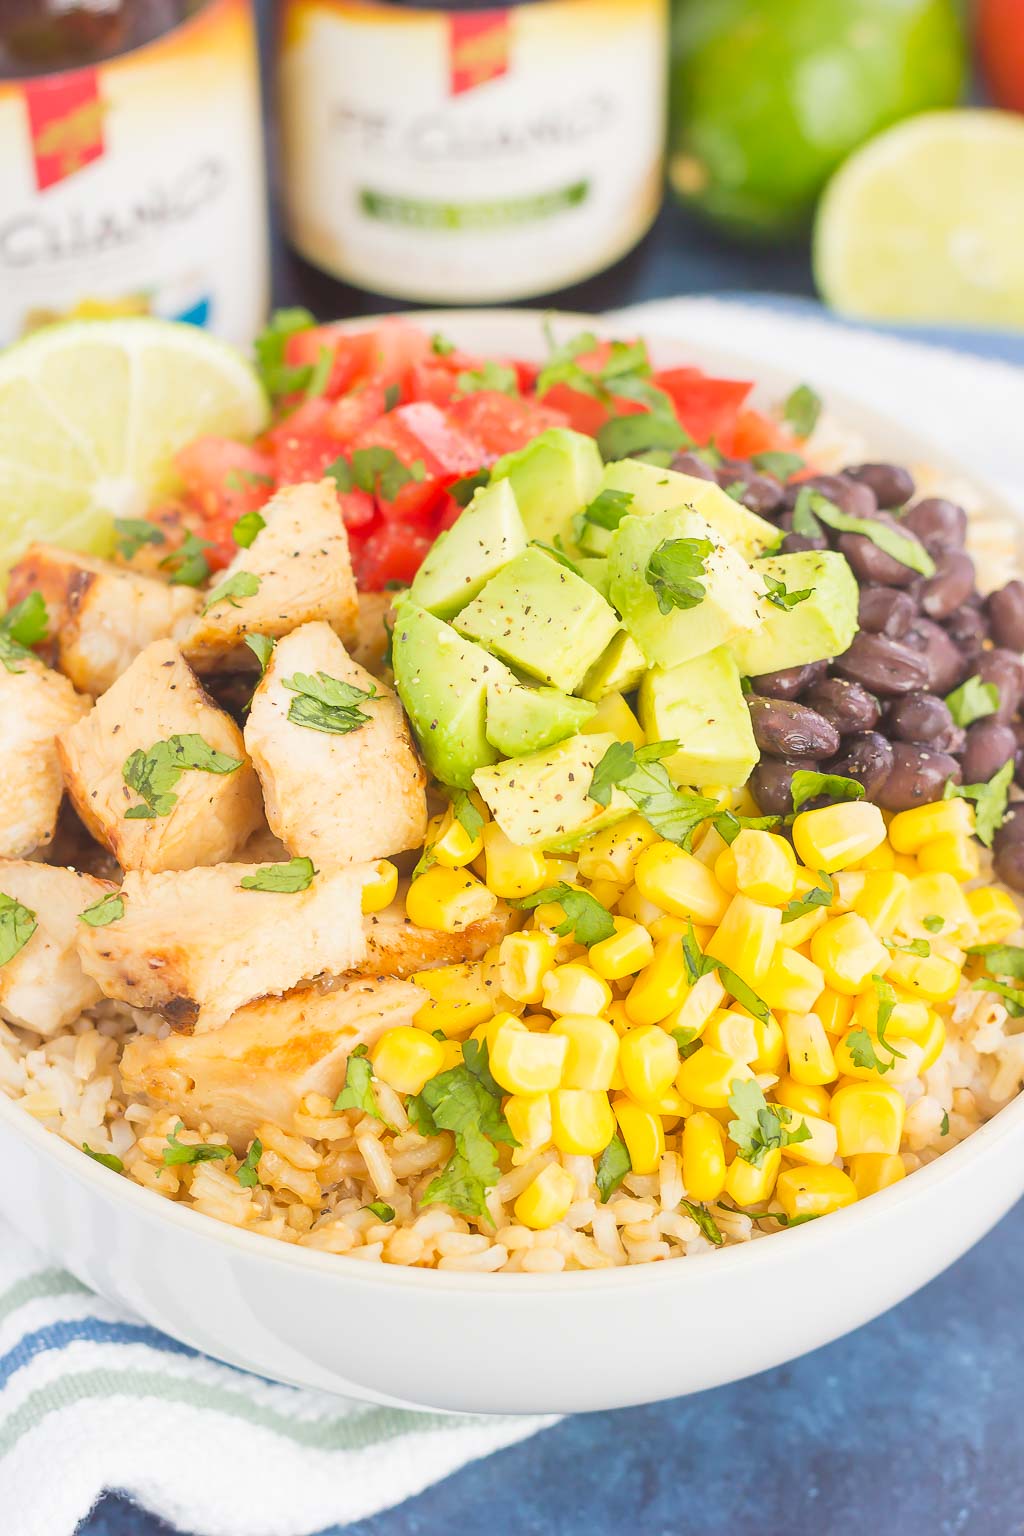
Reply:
x=471, y=156
x=136, y=186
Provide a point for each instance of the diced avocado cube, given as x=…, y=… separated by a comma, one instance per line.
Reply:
x=486, y=537
x=521, y=719
x=617, y=670
x=614, y=714
x=820, y=627
x=442, y=681
x=553, y=477
x=543, y=800
x=543, y=618
x=595, y=572
x=731, y=589
x=701, y=705
x=663, y=490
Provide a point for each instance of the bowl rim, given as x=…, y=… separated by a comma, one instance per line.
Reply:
x=195, y=1225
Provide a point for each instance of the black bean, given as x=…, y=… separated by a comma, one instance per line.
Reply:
x=791, y=682
x=1012, y=829
x=849, y=496
x=990, y=745
x=1005, y=610
x=968, y=629
x=797, y=543
x=761, y=494
x=946, y=665
x=918, y=777
x=1006, y=670
x=1008, y=847
x=892, y=484
x=886, y=611
x=785, y=729
x=939, y=524
x=849, y=706
x=868, y=758
x=1017, y=727
x=690, y=464
x=882, y=665
x=730, y=470
x=771, y=785
x=953, y=582
x=923, y=718
x=869, y=563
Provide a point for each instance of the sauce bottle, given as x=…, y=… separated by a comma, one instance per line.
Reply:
x=446, y=153
x=131, y=163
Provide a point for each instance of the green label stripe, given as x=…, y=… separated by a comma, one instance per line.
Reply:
x=44, y=1282
x=428, y=213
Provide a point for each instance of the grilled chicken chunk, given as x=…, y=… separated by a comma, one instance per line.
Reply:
x=264, y=1060
x=347, y=785
x=396, y=947
x=35, y=704
x=101, y=615
x=301, y=563
x=195, y=945
x=213, y=814
x=43, y=986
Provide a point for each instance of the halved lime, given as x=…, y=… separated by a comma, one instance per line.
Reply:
x=924, y=223
x=91, y=415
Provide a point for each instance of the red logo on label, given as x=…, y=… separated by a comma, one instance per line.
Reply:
x=479, y=44
x=65, y=116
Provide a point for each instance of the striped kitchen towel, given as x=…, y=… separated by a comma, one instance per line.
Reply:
x=92, y=1400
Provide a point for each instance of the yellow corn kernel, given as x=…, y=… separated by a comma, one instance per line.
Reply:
x=700, y=1002
x=797, y=933
x=732, y=1034
x=908, y=1016
x=582, y=1122
x=680, y=883
x=458, y=999
x=618, y=1018
x=938, y=895
x=560, y=868
x=881, y=857
x=649, y=1059
x=835, y=1010
x=836, y=836
x=575, y=988
x=725, y=870
x=612, y=853
x=956, y=854
x=808, y=1049
x=746, y=937
x=792, y=983
x=765, y=866
x=995, y=912
x=607, y=892
x=704, y=1165
x=635, y=905
x=848, y=953
x=872, y=1171
x=660, y=986
x=405, y=1058
x=868, y=1117
x=747, y=1185
x=820, y=1144
x=706, y=1078
x=448, y=900
x=614, y=714
x=678, y=928
x=905, y=864
x=511, y=871
x=671, y=1106
x=910, y=831
x=381, y=888
x=805, y=1098
x=771, y=1045
x=882, y=899
x=524, y=959
x=451, y=1053
x=529, y=1120
x=522, y=1061
x=452, y=845
x=847, y=885
x=628, y=951
x=643, y=1132
x=900, y=1068
x=932, y=977
x=814, y=1191
x=932, y=1042
x=708, y=845
x=593, y=1051
x=546, y=1198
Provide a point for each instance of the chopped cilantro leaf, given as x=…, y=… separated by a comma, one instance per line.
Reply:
x=17, y=925
x=585, y=917
x=808, y=785
x=801, y=410
x=380, y=472
x=325, y=703
x=133, y=533
x=154, y=773
x=781, y=465
x=177, y=1152
x=463, y=1101
x=246, y=527
x=820, y=896
x=973, y=700
x=108, y=1159
x=381, y=1210
x=629, y=437
x=687, y=1041
x=247, y=1174
x=990, y=801
x=779, y=594
x=491, y=375
x=608, y=508
x=21, y=627
x=188, y=564
x=933, y=922
x=1013, y=997
x=262, y=647
x=392, y=395
x=674, y=571
x=919, y=947
x=706, y=1222
x=557, y=552
x=241, y=584
x=440, y=345
x=812, y=507
x=340, y=471
x=612, y=1167
x=357, y=1092
x=1001, y=959
x=277, y=376
x=465, y=489
x=760, y=1127
x=281, y=879
x=108, y=909
x=465, y=812
x=944, y=1126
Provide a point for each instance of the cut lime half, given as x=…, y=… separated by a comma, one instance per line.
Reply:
x=924, y=223
x=91, y=415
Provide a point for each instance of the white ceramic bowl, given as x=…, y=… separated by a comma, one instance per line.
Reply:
x=513, y=1343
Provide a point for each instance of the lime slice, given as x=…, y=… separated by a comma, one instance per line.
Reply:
x=91, y=415
x=924, y=223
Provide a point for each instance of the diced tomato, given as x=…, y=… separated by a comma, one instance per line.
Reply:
x=392, y=552
x=423, y=432
x=706, y=407
x=351, y=354
x=433, y=381
x=305, y=458
x=755, y=433
x=358, y=510
x=397, y=347
x=223, y=480
x=350, y=415
x=501, y=423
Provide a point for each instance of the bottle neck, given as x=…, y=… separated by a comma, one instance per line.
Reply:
x=41, y=37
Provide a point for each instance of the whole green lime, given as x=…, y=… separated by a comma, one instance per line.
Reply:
x=770, y=96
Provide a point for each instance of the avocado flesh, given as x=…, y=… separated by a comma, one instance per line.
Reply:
x=542, y=800
x=820, y=627
x=700, y=704
x=596, y=573
x=617, y=670
x=664, y=490
x=522, y=720
x=554, y=477
x=543, y=618
x=442, y=681
x=485, y=538
x=729, y=604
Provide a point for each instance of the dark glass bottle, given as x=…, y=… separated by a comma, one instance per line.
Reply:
x=42, y=36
